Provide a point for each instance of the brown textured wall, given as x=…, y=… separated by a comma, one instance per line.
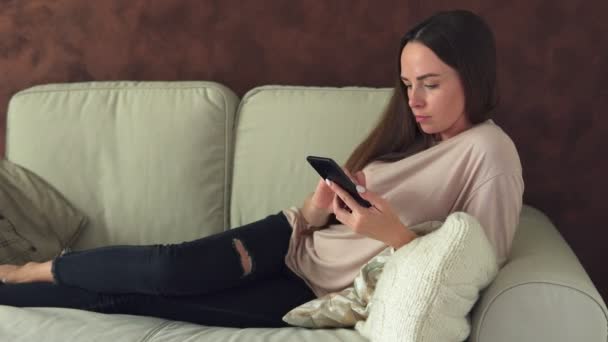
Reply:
x=552, y=70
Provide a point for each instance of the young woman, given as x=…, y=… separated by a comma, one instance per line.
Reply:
x=435, y=151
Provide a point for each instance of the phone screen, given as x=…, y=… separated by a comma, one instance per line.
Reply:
x=329, y=169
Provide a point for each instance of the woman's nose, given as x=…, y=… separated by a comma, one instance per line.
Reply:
x=415, y=98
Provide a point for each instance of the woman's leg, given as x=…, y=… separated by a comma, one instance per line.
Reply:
x=213, y=263
x=216, y=262
x=260, y=303
x=50, y=295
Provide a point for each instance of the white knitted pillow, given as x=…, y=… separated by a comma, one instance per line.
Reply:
x=428, y=287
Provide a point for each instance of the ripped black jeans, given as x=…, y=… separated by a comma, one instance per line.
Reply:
x=207, y=281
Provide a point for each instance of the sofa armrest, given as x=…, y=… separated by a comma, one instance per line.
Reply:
x=542, y=294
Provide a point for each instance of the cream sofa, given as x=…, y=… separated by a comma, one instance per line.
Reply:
x=153, y=162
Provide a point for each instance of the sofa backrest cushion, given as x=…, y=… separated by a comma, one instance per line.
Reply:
x=278, y=126
x=147, y=162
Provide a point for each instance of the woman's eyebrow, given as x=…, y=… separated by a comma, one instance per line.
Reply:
x=422, y=77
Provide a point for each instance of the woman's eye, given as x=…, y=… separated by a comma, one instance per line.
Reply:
x=408, y=86
x=431, y=86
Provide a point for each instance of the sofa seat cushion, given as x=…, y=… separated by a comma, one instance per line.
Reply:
x=59, y=325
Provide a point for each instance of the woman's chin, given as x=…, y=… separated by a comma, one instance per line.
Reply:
x=426, y=128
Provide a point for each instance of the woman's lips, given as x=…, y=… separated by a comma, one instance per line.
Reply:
x=421, y=118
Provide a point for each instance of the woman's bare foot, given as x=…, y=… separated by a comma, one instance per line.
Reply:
x=28, y=273
x=6, y=271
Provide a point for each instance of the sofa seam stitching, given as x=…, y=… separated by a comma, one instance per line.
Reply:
x=133, y=87
x=227, y=156
x=153, y=332
x=8, y=128
x=204, y=84
x=225, y=213
x=237, y=116
x=254, y=91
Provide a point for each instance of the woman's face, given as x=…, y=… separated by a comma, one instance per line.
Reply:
x=434, y=90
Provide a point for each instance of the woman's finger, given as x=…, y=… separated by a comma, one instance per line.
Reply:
x=375, y=200
x=342, y=214
x=360, y=177
x=350, y=175
x=344, y=196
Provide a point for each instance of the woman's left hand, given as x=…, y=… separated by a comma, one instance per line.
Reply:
x=378, y=222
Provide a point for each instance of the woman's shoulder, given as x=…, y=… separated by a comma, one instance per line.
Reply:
x=484, y=145
x=488, y=133
x=490, y=142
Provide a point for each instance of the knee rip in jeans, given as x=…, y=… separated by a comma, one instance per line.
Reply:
x=246, y=261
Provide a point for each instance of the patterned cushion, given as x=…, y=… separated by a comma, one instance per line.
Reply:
x=36, y=221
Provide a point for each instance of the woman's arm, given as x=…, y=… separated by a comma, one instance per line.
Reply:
x=497, y=205
x=315, y=216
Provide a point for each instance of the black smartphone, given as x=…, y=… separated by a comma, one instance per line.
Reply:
x=329, y=169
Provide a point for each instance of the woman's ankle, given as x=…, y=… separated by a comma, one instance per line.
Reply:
x=41, y=272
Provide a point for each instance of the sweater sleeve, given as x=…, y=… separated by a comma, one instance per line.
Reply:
x=497, y=206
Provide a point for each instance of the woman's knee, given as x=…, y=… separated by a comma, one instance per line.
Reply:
x=246, y=261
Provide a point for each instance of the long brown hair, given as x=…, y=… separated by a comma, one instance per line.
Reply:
x=461, y=40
